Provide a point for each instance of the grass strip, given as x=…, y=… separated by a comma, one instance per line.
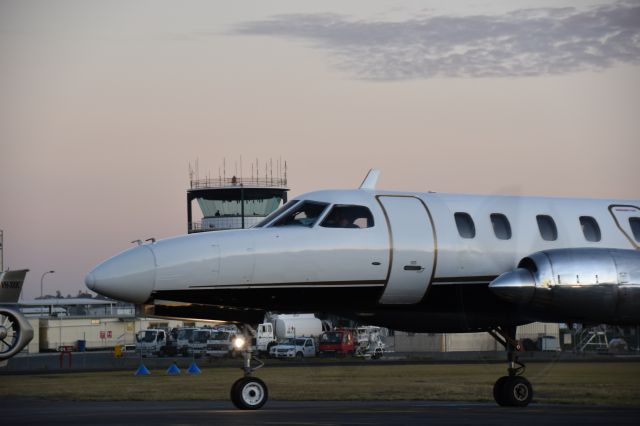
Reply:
x=615, y=384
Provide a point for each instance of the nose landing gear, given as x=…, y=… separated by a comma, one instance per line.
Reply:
x=248, y=392
x=512, y=390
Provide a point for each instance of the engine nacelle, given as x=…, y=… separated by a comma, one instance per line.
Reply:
x=15, y=332
x=583, y=285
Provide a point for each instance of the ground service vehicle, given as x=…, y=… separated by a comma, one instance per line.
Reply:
x=296, y=347
x=198, y=342
x=283, y=327
x=369, y=342
x=185, y=337
x=155, y=342
x=265, y=338
x=221, y=344
x=339, y=342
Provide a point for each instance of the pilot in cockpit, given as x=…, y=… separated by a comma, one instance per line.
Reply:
x=339, y=219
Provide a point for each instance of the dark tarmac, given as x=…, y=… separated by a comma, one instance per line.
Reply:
x=29, y=412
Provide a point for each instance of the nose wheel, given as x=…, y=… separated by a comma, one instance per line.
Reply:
x=248, y=392
x=513, y=390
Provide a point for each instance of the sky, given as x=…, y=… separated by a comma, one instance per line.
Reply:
x=103, y=106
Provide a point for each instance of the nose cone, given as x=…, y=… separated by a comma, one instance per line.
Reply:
x=516, y=286
x=128, y=276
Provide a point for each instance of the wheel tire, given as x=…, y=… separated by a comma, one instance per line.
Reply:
x=249, y=393
x=233, y=394
x=299, y=355
x=498, y=391
x=517, y=391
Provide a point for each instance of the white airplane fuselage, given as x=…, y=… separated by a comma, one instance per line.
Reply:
x=412, y=268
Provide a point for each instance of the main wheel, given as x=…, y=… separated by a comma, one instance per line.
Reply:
x=498, y=391
x=249, y=393
x=517, y=391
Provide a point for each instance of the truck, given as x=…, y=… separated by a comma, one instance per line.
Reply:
x=155, y=342
x=295, y=347
x=339, y=342
x=221, y=343
x=283, y=327
x=185, y=336
x=369, y=342
x=199, y=341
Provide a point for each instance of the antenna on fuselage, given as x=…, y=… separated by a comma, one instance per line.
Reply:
x=371, y=180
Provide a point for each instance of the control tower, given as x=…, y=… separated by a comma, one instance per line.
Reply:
x=234, y=203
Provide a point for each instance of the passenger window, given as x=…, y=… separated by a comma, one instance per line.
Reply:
x=501, y=226
x=634, y=222
x=465, y=225
x=590, y=229
x=348, y=217
x=306, y=214
x=547, y=227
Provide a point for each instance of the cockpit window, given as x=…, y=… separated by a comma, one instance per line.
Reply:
x=348, y=217
x=305, y=214
x=276, y=213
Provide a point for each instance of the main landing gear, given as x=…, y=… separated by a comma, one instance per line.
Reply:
x=248, y=392
x=512, y=390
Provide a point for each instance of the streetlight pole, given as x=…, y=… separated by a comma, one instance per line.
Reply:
x=42, y=279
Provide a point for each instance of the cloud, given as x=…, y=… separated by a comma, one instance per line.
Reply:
x=522, y=43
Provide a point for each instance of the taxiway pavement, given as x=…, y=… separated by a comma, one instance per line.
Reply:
x=31, y=412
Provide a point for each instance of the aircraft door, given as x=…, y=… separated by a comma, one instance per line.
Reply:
x=413, y=254
x=628, y=220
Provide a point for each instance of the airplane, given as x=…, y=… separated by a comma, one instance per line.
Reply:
x=15, y=330
x=417, y=262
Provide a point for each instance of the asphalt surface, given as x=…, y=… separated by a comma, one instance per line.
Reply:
x=30, y=412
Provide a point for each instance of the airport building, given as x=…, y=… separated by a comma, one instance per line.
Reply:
x=87, y=324
x=539, y=336
x=235, y=202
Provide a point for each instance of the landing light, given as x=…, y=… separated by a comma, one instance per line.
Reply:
x=239, y=342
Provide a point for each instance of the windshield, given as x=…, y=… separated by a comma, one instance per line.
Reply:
x=146, y=336
x=220, y=335
x=185, y=334
x=294, y=342
x=276, y=213
x=201, y=336
x=331, y=337
x=305, y=214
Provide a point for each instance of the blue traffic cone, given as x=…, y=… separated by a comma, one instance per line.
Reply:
x=142, y=371
x=193, y=369
x=173, y=370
